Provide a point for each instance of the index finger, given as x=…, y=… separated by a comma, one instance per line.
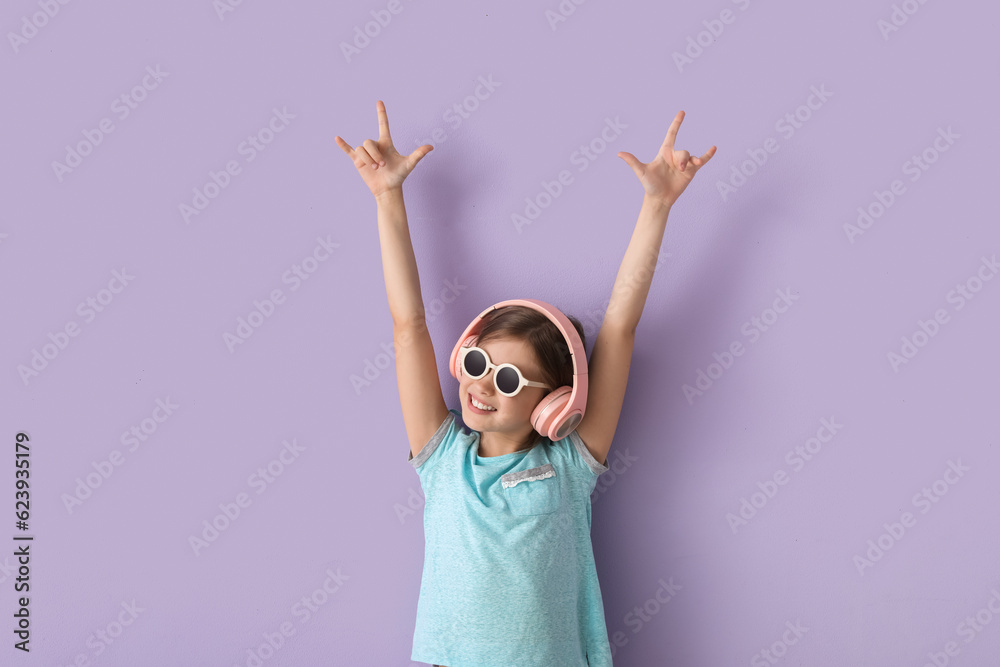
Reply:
x=668, y=144
x=383, y=122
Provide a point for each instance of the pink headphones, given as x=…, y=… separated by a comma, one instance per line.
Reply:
x=561, y=410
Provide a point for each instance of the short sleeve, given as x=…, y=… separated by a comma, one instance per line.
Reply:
x=581, y=456
x=446, y=432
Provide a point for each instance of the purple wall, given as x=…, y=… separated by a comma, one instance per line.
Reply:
x=837, y=477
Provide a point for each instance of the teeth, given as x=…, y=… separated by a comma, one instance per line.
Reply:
x=480, y=405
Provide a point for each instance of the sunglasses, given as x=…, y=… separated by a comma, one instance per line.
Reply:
x=507, y=378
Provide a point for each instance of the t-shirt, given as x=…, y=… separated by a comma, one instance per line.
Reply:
x=509, y=577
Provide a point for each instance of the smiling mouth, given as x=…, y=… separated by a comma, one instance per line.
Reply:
x=471, y=397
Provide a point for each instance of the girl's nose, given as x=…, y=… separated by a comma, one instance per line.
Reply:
x=484, y=385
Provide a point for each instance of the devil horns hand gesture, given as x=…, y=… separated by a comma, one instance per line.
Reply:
x=665, y=178
x=382, y=168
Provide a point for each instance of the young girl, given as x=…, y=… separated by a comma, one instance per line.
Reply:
x=509, y=576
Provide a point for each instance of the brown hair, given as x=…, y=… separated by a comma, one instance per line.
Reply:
x=541, y=335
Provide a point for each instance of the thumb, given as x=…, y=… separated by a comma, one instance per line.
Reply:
x=633, y=162
x=418, y=155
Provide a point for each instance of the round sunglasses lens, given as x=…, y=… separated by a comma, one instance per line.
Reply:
x=475, y=363
x=507, y=380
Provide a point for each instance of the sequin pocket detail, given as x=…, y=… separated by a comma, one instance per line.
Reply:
x=533, y=491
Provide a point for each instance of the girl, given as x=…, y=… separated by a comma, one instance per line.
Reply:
x=509, y=577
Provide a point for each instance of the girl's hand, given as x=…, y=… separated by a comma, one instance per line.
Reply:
x=665, y=178
x=381, y=167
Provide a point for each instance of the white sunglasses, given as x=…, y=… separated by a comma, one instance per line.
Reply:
x=507, y=378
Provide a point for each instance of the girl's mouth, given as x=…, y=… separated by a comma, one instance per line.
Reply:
x=475, y=409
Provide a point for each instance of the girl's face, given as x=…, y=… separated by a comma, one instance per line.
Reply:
x=512, y=418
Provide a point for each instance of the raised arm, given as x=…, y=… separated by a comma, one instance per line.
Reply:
x=383, y=170
x=663, y=180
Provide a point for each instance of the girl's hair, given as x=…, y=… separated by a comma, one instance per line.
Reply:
x=541, y=335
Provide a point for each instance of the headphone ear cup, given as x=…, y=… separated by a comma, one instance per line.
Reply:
x=543, y=417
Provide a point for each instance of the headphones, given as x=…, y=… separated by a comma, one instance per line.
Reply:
x=558, y=413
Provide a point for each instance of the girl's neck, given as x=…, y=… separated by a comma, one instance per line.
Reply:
x=489, y=449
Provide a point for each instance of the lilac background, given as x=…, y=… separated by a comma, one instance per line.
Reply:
x=349, y=503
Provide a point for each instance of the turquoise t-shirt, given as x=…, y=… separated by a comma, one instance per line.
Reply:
x=509, y=577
